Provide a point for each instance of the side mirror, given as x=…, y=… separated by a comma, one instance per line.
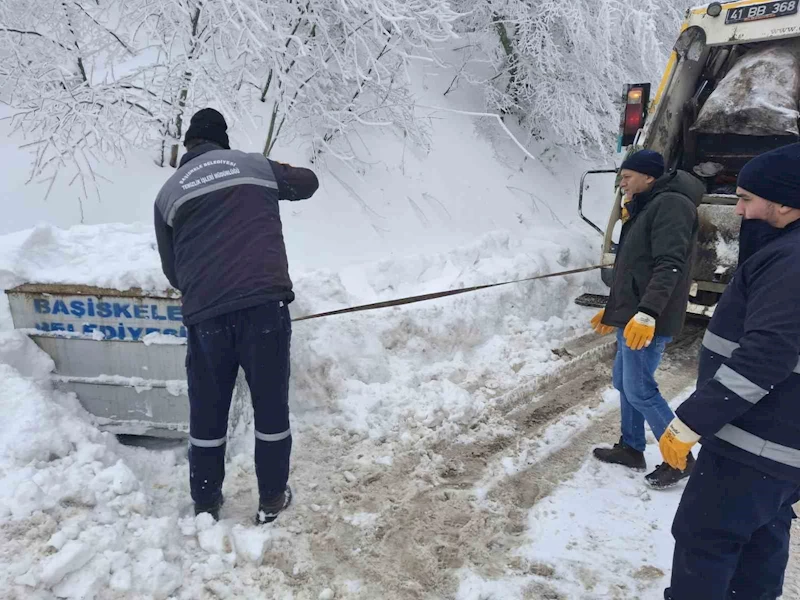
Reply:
x=580, y=196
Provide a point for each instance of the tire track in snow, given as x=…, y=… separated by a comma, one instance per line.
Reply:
x=379, y=518
x=406, y=530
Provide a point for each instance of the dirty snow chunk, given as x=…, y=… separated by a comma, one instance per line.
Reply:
x=58, y=539
x=163, y=339
x=117, y=479
x=474, y=587
x=326, y=594
x=214, y=539
x=18, y=351
x=350, y=477
x=27, y=579
x=250, y=543
x=32, y=427
x=70, y=558
x=154, y=576
x=86, y=583
x=204, y=521
x=362, y=519
x=177, y=387
x=121, y=580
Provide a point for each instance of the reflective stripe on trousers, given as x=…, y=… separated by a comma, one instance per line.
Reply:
x=207, y=443
x=273, y=437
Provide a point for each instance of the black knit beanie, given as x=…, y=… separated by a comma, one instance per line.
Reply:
x=774, y=175
x=208, y=124
x=647, y=162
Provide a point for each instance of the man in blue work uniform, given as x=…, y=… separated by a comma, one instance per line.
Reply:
x=733, y=524
x=220, y=237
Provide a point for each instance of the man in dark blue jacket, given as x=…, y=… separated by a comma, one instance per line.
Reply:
x=220, y=237
x=732, y=526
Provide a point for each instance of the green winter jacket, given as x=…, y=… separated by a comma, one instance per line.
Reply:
x=652, y=271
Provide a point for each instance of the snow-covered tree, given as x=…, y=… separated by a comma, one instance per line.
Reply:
x=92, y=78
x=559, y=66
x=342, y=63
x=57, y=73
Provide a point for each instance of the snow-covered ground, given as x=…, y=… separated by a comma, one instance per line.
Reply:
x=83, y=516
x=429, y=460
x=382, y=403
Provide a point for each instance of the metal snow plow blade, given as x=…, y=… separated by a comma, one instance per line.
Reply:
x=591, y=300
x=121, y=352
x=598, y=301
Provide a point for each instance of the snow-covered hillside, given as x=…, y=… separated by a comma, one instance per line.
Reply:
x=397, y=201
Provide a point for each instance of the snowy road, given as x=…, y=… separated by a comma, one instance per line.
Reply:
x=445, y=511
x=442, y=511
x=505, y=505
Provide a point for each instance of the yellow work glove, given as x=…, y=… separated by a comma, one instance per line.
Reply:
x=640, y=331
x=676, y=443
x=597, y=324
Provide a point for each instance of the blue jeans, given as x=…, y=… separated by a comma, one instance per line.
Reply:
x=640, y=399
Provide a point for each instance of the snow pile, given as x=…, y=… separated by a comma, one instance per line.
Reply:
x=426, y=369
x=418, y=368
x=114, y=256
x=17, y=351
x=82, y=516
x=71, y=509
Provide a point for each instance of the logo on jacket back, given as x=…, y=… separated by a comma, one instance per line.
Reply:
x=233, y=170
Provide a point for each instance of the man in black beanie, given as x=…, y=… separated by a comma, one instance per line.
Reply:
x=220, y=237
x=648, y=299
x=733, y=524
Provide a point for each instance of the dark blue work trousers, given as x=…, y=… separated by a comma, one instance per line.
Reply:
x=258, y=340
x=731, y=532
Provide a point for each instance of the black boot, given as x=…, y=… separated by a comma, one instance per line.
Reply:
x=622, y=454
x=269, y=510
x=212, y=509
x=666, y=477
